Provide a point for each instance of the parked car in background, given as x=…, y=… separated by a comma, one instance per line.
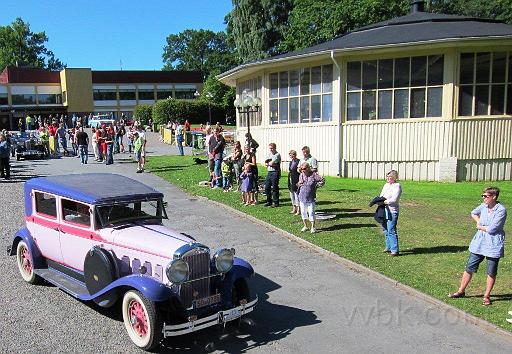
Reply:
x=99, y=119
x=27, y=145
x=106, y=245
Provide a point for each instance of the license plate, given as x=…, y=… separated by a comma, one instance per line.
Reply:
x=231, y=315
x=205, y=301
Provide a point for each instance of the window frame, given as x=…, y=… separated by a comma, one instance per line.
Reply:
x=73, y=223
x=41, y=214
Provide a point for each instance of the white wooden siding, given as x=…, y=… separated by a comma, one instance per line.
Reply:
x=484, y=170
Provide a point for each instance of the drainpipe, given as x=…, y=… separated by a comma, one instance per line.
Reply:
x=338, y=128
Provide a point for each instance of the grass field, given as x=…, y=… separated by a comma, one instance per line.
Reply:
x=434, y=229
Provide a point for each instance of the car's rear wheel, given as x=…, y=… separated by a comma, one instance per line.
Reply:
x=141, y=320
x=25, y=263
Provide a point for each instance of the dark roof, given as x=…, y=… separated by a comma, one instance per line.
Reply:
x=412, y=28
x=12, y=74
x=131, y=77
x=93, y=188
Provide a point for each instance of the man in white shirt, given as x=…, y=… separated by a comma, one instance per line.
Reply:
x=313, y=163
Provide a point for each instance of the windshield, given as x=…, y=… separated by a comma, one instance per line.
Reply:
x=130, y=211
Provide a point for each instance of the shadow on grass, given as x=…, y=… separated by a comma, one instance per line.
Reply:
x=343, y=190
x=345, y=226
x=433, y=250
x=167, y=168
x=494, y=298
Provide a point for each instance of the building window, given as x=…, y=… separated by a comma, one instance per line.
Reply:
x=127, y=95
x=146, y=94
x=23, y=99
x=104, y=95
x=301, y=96
x=49, y=98
x=395, y=88
x=485, y=84
x=4, y=101
x=253, y=88
x=185, y=94
x=162, y=94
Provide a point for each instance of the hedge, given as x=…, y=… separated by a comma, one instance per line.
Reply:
x=143, y=113
x=196, y=111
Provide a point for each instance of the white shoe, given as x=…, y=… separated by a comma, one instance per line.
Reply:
x=509, y=320
x=313, y=230
x=305, y=228
x=510, y=313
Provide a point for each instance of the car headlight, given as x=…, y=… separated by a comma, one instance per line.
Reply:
x=177, y=271
x=224, y=259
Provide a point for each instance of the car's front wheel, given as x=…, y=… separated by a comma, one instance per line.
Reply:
x=141, y=320
x=25, y=263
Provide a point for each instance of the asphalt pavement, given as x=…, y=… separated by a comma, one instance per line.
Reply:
x=309, y=303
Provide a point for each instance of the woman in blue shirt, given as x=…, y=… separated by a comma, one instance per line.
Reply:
x=488, y=242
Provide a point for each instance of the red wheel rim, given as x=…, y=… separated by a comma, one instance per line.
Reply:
x=25, y=261
x=138, y=318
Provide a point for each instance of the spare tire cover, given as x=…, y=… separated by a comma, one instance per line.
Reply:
x=99, y=269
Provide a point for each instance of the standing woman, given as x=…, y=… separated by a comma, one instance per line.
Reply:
x=250, y=158
x=293, y=179
x=109, y=141
x=488, y=242
x=391, y=191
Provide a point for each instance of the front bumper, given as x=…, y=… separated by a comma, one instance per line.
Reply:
x=205, y=322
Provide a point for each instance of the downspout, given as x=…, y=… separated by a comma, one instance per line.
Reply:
x=338, y=127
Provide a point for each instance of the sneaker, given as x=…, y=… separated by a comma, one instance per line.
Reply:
x=313, y=230
x=304, y=229
x=268, y=204
x=510, y=313
x=254, y=202
x=509, y=320
x=139, y=171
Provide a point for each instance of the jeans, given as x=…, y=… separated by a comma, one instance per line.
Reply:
x=83, y=153
x=218, y=173
x=5, y=167
x=179, y=140
x=110, y=156
x=225, y=182
x=390, y=233
x=272, y=187
x=64, y=143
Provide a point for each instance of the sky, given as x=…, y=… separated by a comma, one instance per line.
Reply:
x=110, y=34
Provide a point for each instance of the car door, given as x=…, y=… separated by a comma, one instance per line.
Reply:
x=44, y=225
x=76, y=233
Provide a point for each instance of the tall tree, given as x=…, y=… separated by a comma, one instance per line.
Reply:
x=201, y=50
x=256, y=27
x=493, y=9
x=215, y=92
x=18, y=44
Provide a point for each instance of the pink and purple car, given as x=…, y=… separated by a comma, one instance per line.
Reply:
x=100, y=237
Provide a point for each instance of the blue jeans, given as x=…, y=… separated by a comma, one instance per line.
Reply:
x=391, y=234
x=225, y=182
x=218, y=172
x=110, y=154
x=179, y=140
x=83, y=153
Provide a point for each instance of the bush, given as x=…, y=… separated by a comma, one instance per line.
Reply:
x=143, y=113
x=196, y=111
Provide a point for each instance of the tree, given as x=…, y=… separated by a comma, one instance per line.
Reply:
x=220, y=94
x=18, y=44
x=201, y=50
x=256, y=27
x=493, y=9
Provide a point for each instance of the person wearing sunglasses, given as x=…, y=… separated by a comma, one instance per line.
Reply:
x=488, y=242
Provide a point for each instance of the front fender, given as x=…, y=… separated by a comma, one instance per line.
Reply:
x=24, y=234
x=241, y=269
x=151, y=288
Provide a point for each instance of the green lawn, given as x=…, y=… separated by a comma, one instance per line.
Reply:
x=434, y=229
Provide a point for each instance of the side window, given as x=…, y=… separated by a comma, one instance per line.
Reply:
x=75, y=212
x=46, y=204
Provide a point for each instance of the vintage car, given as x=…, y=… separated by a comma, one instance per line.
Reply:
x=100, y=119
x=109, y=244
x=27, y=145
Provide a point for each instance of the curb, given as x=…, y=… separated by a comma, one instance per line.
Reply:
x=468, y=318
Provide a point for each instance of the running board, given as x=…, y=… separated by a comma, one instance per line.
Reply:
x=63, y=281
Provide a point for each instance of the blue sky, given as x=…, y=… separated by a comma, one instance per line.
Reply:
x=101, y=33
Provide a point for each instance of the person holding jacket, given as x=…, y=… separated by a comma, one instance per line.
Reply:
x=392, y=192
x=488, y=242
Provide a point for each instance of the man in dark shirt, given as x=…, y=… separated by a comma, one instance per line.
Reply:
x=82, y=140
x=218, y=144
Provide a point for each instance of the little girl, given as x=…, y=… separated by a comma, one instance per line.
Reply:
x=308, y=182
x=246, y=177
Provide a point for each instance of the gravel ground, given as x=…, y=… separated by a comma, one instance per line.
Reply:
x=308, y=303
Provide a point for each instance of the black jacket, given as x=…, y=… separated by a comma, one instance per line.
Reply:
x=382, y=214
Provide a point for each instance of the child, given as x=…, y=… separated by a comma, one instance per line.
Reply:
x=246, y=177
x=308, y=182
x=226, y=174
x=138, y=150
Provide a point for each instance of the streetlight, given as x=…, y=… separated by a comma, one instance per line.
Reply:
x=197, y=94
x=248, y=104
x=209, y=97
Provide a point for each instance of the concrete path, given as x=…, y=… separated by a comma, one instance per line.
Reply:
x=308, y=302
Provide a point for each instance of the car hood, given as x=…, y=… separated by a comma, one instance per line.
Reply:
x=154, y=239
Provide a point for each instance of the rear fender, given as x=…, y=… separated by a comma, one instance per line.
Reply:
x=24, y=234
x=151, y=288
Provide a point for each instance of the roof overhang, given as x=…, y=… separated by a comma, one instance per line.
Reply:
x=230, y=77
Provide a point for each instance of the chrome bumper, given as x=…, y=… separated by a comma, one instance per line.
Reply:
x=205, y=322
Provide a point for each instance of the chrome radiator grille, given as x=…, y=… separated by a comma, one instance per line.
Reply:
x=199, y=265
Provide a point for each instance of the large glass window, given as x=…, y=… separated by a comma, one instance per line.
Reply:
x=127, y=94
x=484, y=86
x=3, y=99
x=301, y=96
x=253, y=88
x=46, y=204
x=49, y=98
x=162, y=94
x=395, y=88
x=104, y=95
x=23, y=99
x=187, y=94
x=76, y=213
x=146, y=94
